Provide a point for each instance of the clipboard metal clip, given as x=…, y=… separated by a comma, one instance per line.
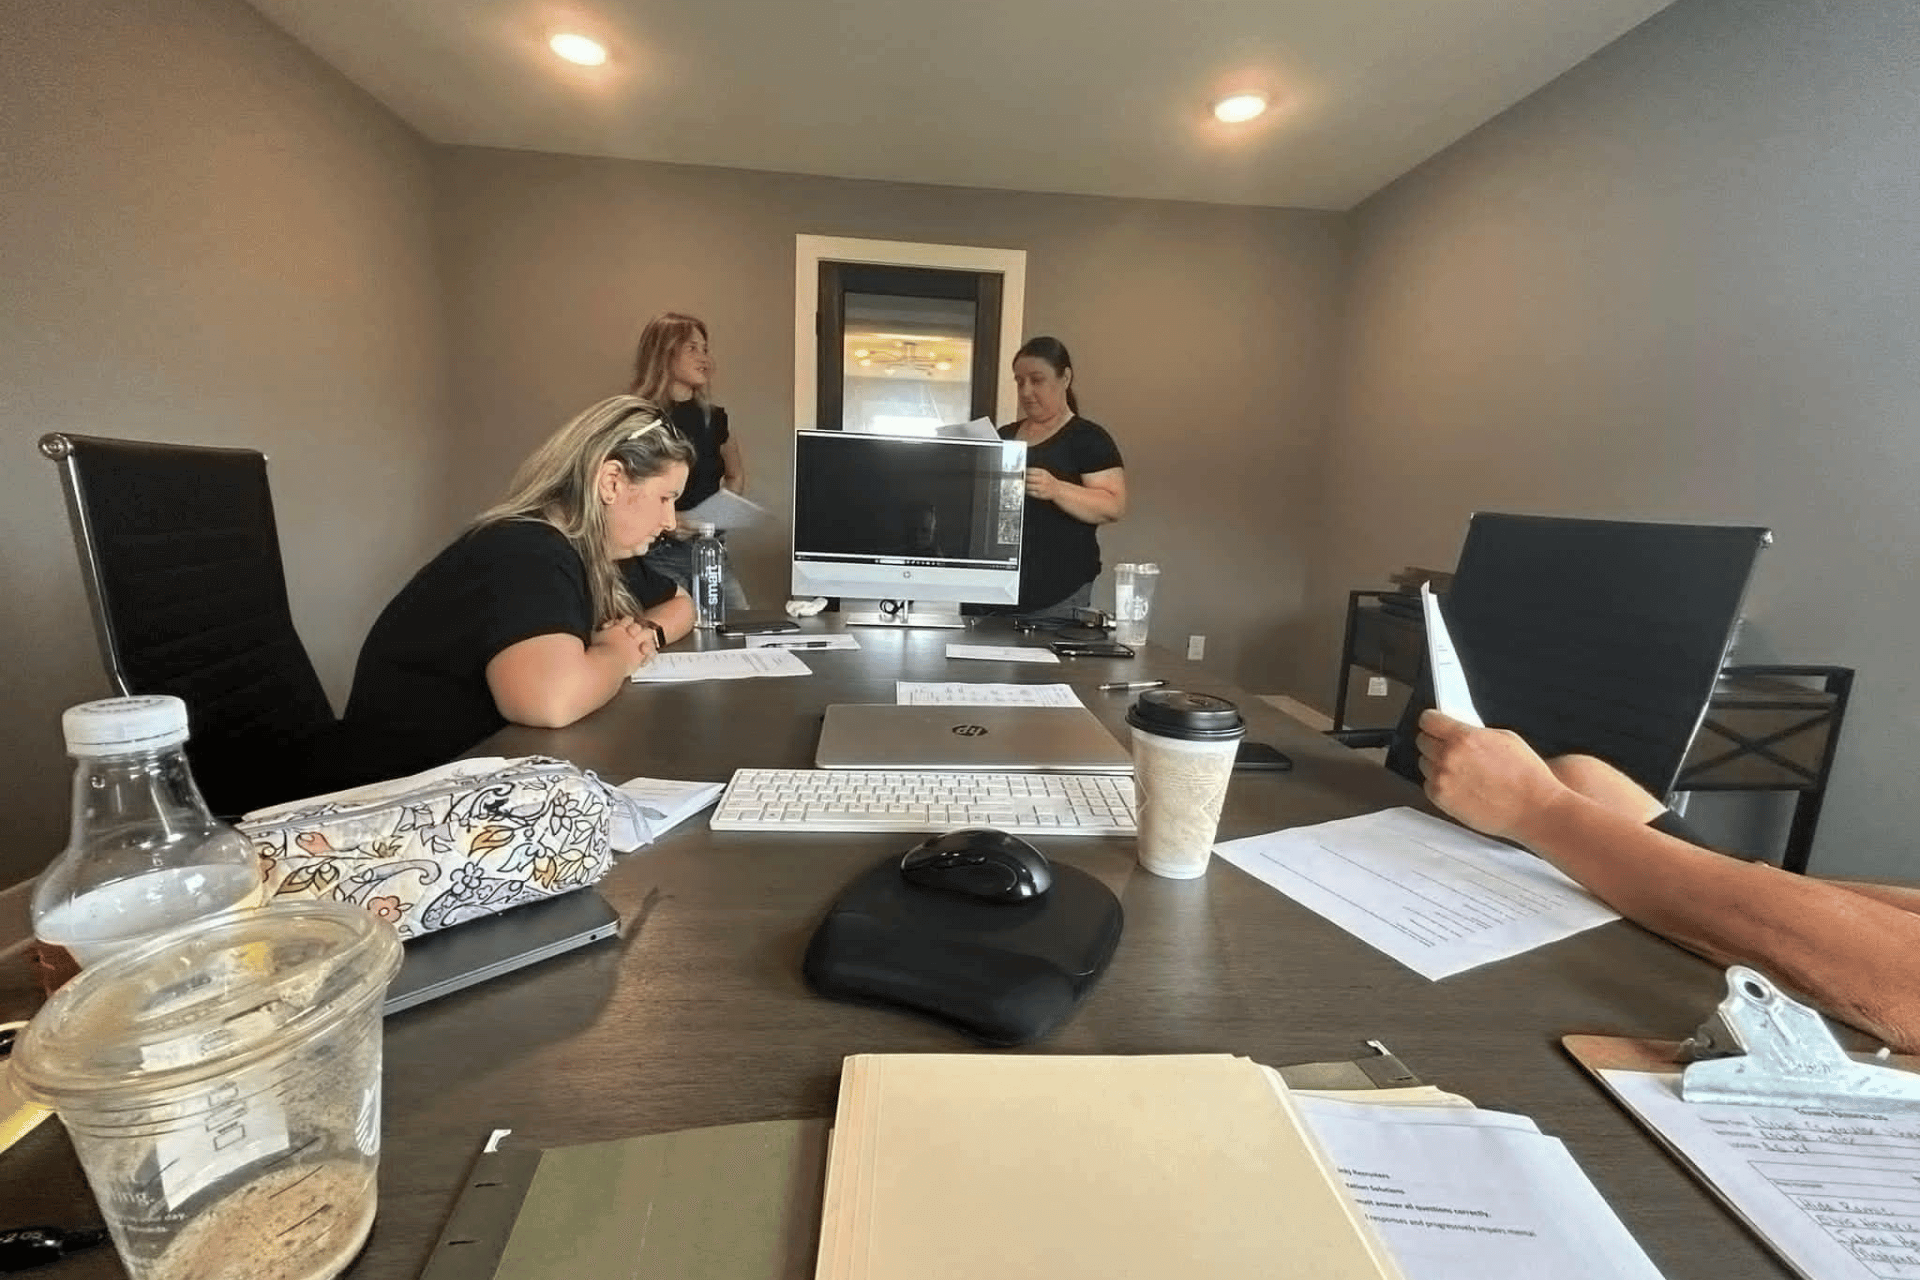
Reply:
x=1760, y=1048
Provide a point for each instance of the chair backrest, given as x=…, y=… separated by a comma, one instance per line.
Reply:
x=1597, y=636
x=181, y=558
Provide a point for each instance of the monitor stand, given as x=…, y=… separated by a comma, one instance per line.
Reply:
x=906, y=615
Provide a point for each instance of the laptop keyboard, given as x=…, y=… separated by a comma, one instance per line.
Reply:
x=920, y=800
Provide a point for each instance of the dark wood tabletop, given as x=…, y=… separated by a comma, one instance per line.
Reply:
x=697, y=1015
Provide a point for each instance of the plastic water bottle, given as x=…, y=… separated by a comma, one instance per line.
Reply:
x=709, y=579
x=144, y=853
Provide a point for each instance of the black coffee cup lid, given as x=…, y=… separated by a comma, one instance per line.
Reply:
x=1196, y=717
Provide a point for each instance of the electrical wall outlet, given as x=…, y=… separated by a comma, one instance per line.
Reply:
x=1196, y=648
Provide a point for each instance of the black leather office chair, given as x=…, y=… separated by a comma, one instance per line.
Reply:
x=181, y=559
x=1597, y=636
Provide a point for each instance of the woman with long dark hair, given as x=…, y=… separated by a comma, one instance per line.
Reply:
x=538, y=613
x=1076, y=482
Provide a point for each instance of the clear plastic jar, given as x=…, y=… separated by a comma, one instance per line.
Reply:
x=143, y=852
x=221, y=1084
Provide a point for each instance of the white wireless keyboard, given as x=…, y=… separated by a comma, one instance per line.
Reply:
x=1027, y=804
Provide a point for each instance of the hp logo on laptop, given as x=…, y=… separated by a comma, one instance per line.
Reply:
x=970, y=730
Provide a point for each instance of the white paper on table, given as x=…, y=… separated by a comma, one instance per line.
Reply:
x=719, y=664
x=725, y=510
x=801, y=640
x=654, y=806
x=1450, y=692
x=978, y=429
x=928, y=693
x=1836, y=1194
x=1473, y=1193
x=1438, y=898
x=1002, y=653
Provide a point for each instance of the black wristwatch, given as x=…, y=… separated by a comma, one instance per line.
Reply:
x=659, y=632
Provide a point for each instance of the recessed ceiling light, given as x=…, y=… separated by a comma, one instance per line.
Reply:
x=1240, y=108
x=588, y=53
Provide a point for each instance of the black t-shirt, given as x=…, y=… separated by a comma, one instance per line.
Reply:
x=705, y=428
x=1058, y=553
x=420, y=694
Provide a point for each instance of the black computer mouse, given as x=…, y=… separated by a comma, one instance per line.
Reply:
x=980, y=863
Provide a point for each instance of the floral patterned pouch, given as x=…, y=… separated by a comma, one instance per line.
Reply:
x=445, y=846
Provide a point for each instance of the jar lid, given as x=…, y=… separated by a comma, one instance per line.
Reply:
x=125, y=726
x=1196, y=717
x=203, y=1000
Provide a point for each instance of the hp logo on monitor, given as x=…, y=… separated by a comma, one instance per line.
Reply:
x=970, y=730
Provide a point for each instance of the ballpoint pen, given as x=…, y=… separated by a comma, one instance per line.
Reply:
x=1117, y=686
x=24, y=1248
x=796, y=644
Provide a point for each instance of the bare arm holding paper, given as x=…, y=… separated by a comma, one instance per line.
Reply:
x=1850, y=950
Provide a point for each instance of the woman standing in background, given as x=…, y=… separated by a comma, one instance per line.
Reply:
x=673, y=368
x=1075, y=483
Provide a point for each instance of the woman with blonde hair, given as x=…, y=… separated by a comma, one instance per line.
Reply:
x=530, y=617
x=673, y=368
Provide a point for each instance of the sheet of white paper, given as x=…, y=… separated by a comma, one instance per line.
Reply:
x=1450, y=692
x=1489, y=1197
x=1837, y=1194
x=655, y=806
x=978, y=429
x=725, y=510
x=794, y=640
x=720, y=664
x=1001, y=653
x=1438, y=898
x=925, y=693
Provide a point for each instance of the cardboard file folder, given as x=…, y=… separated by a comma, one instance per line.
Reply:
x=956, y=1167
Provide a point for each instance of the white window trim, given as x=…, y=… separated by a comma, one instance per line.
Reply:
x=811, y=251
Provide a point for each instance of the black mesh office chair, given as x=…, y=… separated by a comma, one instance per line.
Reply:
x=181, y=559
x=1597, y=636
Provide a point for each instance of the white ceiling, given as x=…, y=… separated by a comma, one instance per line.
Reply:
x=1100, y=97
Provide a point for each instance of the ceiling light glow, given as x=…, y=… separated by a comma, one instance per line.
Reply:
x=577, y=48
x=1239, y=108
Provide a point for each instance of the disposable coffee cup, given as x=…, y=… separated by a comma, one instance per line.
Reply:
x=1183, y=749
x=1133, y=586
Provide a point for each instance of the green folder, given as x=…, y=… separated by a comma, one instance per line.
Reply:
x=736, y=1202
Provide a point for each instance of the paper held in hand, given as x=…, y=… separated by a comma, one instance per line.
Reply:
x=1450, y=692
x=725, y=510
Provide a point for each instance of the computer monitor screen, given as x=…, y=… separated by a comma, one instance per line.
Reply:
x=907, y=518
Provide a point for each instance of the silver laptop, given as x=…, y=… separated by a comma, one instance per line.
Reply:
x=986, y=739
x=449, y=960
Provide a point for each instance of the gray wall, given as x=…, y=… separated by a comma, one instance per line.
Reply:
x=1681, y=282
x=206, y=235
x=1201, y=336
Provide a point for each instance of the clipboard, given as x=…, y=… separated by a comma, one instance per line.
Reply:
x=1821, y=1182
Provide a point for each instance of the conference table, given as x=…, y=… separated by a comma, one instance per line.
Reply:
x=698, y=1015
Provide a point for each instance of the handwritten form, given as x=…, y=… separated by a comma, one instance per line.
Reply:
x=924, y=693
x=1438, y=898
x=1458, y=1192
x=1836, y=1193
x=720, y=664
x=1002, y=653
